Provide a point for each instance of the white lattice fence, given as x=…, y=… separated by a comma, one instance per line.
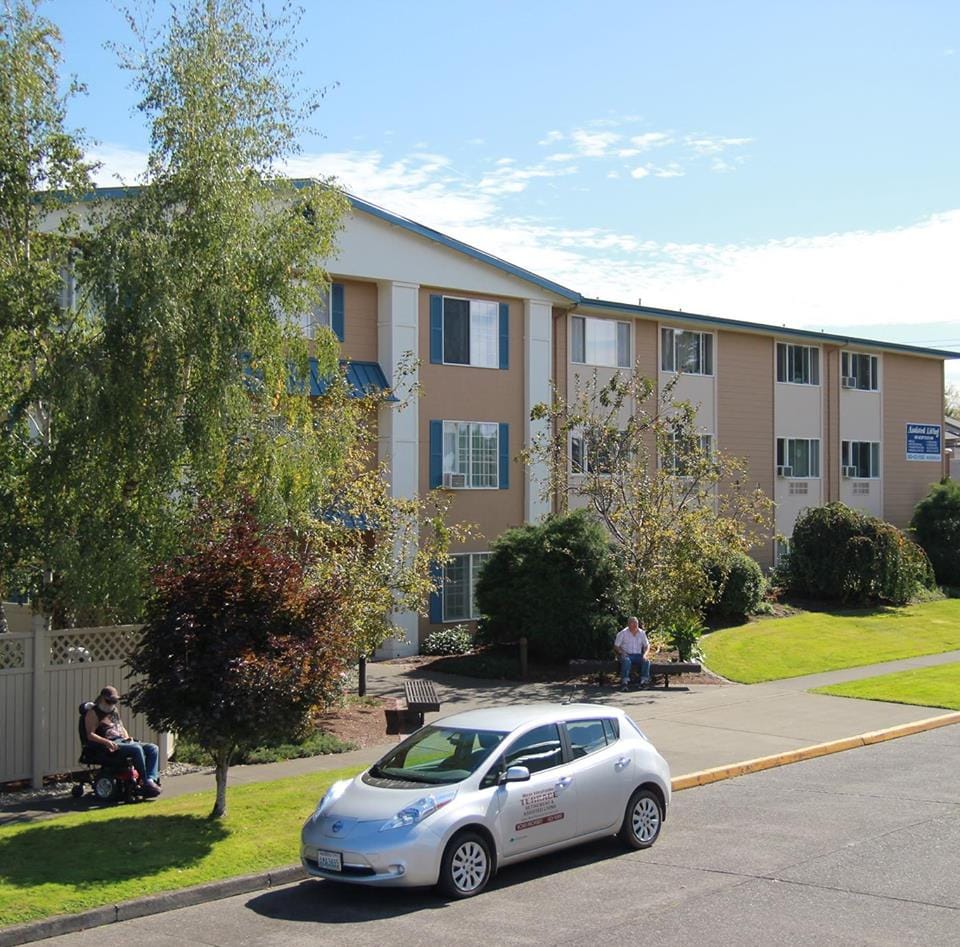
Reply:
x=44, y=677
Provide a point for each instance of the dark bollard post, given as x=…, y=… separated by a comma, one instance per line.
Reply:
x=523, y=659
x=362, y=675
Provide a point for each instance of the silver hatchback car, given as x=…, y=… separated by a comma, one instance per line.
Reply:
x=479, y=790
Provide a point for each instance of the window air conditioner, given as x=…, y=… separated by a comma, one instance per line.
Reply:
x=784, y=471
x=848, y=472
x=848, y=381
x=454, y=480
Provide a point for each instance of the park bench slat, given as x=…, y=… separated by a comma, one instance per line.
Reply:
x=421, y=695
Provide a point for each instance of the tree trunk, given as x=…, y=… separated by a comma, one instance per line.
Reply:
x=222, y=762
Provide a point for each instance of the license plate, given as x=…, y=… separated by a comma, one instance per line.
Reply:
x=330, y=861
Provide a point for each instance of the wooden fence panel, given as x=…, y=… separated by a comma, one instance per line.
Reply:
x=16, y=706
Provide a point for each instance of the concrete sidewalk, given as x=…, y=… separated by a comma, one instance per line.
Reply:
x=698, y=728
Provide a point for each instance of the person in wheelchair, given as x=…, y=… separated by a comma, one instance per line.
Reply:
x=106, y=732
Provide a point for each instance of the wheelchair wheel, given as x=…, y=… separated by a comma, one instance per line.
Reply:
x=105, y=788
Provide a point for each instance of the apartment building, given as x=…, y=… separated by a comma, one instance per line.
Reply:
x=816, y=417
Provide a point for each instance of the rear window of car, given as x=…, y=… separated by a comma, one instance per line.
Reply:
x=586, y=736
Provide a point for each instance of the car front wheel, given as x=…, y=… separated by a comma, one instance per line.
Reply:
x=642, y=820
x=466, y=867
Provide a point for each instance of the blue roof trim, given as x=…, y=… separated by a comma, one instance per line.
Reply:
x=465, y=248
x=674, y=315
x=364, y=378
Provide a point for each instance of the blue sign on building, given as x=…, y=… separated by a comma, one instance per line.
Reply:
x=923, y=442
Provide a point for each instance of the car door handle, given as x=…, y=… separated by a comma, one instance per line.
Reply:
x=623, y=761
x=564, y=781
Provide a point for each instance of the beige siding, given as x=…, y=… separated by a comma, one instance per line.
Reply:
x=830, y=459
x=912, y=392
x=462, y=393
x=745, y=379
x=359, y=320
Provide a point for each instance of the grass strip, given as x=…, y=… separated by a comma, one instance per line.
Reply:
x=776, y=648
x=90, y=859
x=928, y=687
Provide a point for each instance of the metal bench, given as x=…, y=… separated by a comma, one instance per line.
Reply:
x=660, y=671
x=421, y=697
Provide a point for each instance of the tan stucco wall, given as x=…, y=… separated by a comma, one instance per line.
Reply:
x=462, y=393
x=745, y=379
x=359, y=320
x=912, y=392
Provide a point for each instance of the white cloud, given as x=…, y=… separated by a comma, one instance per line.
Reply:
x=119, y=165
x=706, y=145
x=551, y=137
x=672, y=170
x=593, y=144
x=651, y=140
x=639, y=172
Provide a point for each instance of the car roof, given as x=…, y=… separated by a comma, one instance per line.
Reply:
x=513, y=716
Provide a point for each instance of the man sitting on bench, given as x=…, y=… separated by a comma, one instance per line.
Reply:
x=631, y=646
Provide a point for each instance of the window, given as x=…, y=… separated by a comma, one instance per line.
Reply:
x=798, y=364
x=681, y=455
x=471, y=452
x=317, y=317
x=690, y=352
x=781, y=550
x=597, y=453
x=459, y=585
x=537, y=750
x=599, y=342
x=586, y=736
x=471, y=332
x=798, y=457
x=860, y=459
x=859, y=371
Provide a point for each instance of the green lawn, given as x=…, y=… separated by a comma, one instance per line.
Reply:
x=930, y=687
x=776, y=648
x=89, y=859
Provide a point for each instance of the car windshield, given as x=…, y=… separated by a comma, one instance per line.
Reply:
x=438, y=755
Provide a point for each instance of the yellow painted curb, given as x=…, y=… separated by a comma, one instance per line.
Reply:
x=705, y=776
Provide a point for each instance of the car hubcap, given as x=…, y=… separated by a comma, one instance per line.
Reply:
x=469, y=866
x=646, y=819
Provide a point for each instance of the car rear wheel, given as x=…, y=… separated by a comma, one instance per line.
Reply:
x=642, y=820
x=466, y=866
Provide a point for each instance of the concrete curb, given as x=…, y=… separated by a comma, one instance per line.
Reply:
x=706, y=776
x=214, y=891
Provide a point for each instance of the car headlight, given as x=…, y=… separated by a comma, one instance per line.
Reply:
x=331, y=796
x=419, y=810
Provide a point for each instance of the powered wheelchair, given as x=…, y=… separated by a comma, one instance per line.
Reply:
x=111, y=776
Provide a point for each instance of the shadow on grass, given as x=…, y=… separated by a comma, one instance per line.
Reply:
x=331, y=902
x=107, y=852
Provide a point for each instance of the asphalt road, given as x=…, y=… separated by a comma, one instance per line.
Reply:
x=856, y=848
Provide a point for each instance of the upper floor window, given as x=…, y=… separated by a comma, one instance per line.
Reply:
x=684, y=453
x=599, y=342
x=597, y=454
x=798, y=364
x=684, y=351
x=860, y=459
x=798, y=457
x=459, y=585
x=859, y=370
x=326, y=313
x=471, y=453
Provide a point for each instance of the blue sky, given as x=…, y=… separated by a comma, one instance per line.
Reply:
x=790, y=163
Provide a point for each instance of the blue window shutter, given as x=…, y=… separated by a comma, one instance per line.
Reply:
x=436, y=330
x=336, y=310
x=504, y=335
x=436, y=597
x=436, y=453
x=504, y=456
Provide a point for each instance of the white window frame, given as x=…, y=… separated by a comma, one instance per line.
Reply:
x=465, y=466
x=783, y=456
x=811, y=363
x=849, y=449
x=671, y=461
x=622, y=353
x=848, y=362
x=494, y=362
x=474, y=561
x=668, y=350
x=319, y=316
x=586, y=467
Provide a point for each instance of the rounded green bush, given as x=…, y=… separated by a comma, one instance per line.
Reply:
x=936, y=524
x=455, y=640
x=740, y=587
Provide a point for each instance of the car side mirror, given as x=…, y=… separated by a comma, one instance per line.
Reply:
x=515, y=774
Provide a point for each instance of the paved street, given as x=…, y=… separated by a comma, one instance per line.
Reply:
x=855, y=848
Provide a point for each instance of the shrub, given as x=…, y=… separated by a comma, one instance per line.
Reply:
x=936, y=524
x=555, y=582
x=844, y=555
x=315, y=744
x=455, y=640
x=739, y=587
x=684, y=635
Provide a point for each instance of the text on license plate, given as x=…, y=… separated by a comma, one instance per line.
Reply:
x=330, y=861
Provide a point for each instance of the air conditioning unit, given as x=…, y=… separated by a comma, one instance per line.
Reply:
x=848, y=473
x=454, y=480
x=784, y=471
x=848, y=381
